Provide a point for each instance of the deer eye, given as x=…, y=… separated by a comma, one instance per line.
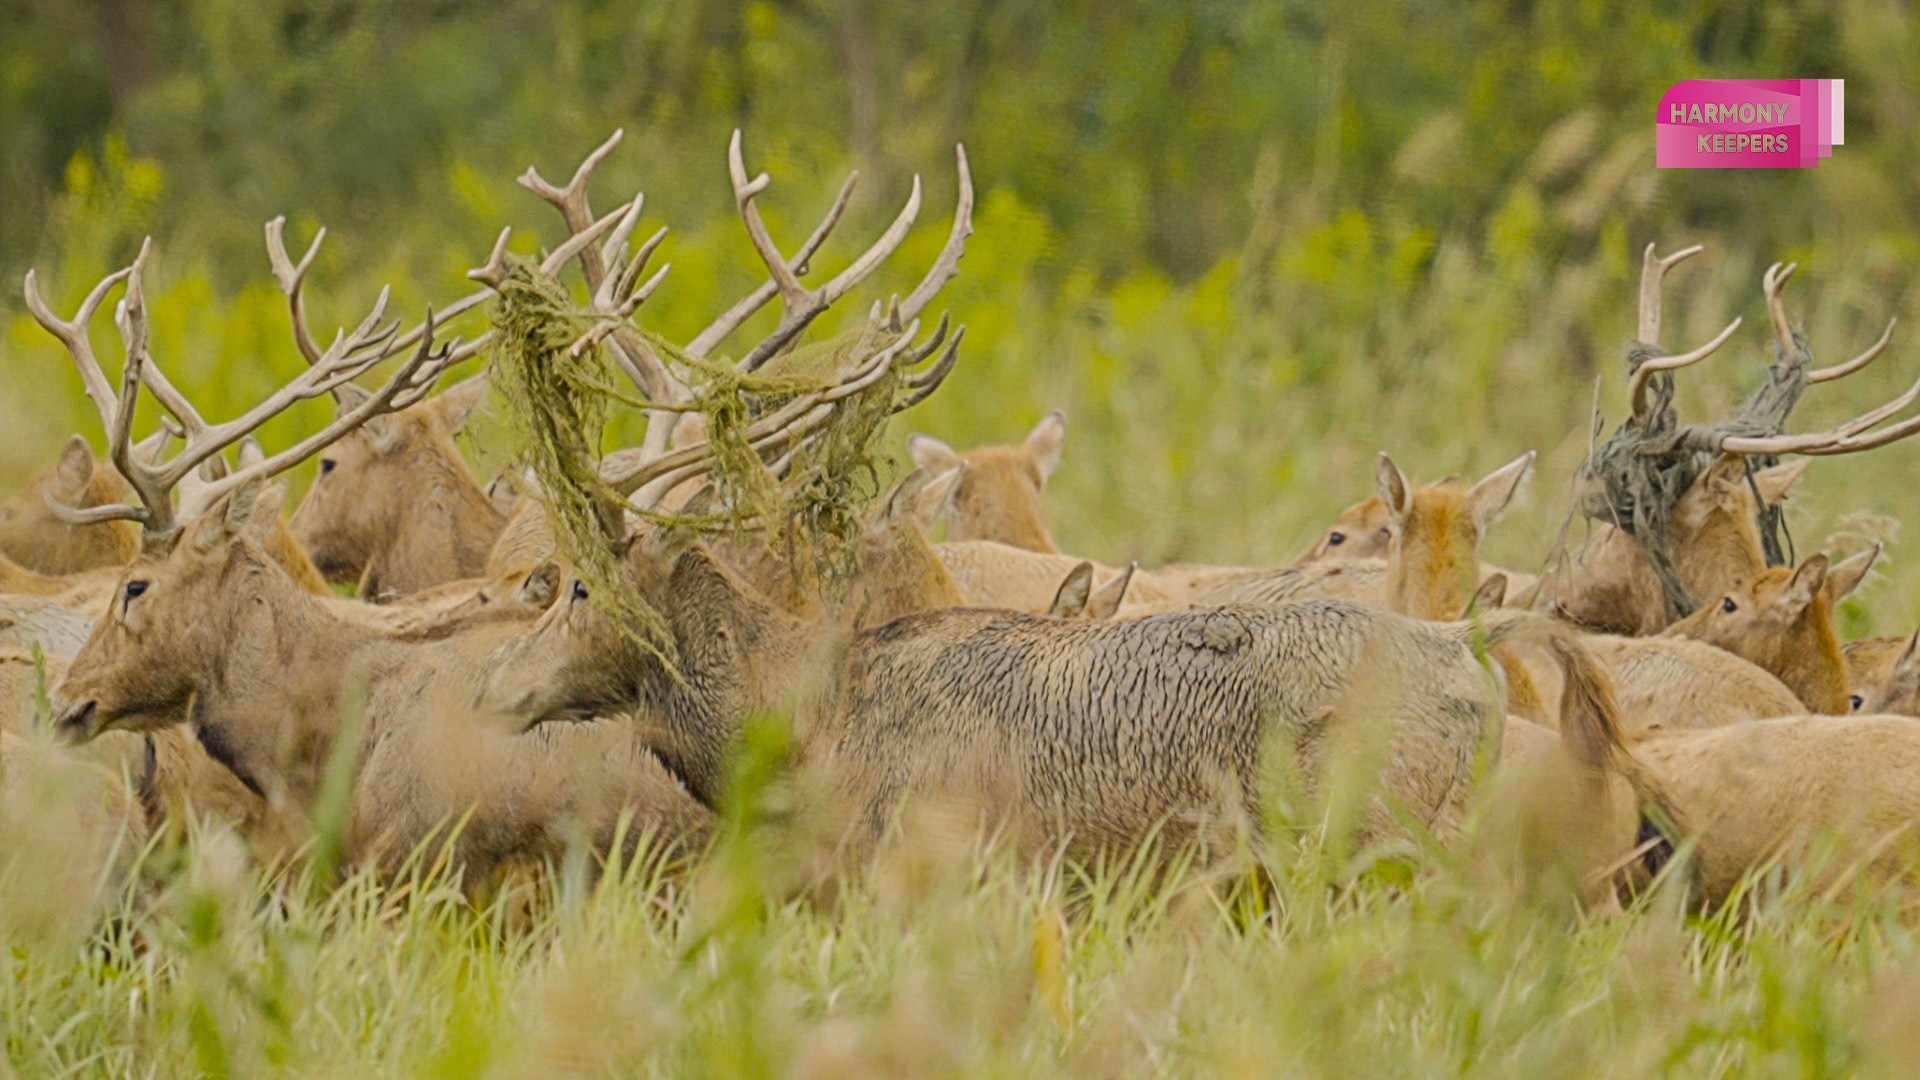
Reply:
x=1335, y=539
x=135, y=588
x=327, y=464
x=1856, y=700
x=579, y=590
x=1727, y=605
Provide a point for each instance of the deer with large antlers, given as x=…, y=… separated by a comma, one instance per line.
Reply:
x=206, y=618
x=1668, y=497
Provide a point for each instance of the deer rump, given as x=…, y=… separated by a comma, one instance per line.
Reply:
x=1099, y=733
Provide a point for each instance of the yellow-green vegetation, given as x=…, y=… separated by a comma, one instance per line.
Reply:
x=1244, y=247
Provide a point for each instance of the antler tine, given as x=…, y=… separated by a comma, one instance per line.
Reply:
x=926, y=382
x=948, y=264
x=1770, y=283
x=406, y=386
x=73, y=334
x=292, y=277
x=573, y=202
x=494, y=271
x=155, y=511
x=744, y=308
x=802, y=305
x=1827, y=374
x=1850, y=437
x=1653, y=270
x=651, y=479
x=1643, y=375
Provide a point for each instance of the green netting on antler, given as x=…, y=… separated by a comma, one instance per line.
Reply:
x=559, y=404
x=1639, y=474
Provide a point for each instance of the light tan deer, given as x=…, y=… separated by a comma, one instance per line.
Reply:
x=999, y=499
x=206, y=617
x=1714, y=547
x=33, y=537
x=394, y=507
x=1782, y=620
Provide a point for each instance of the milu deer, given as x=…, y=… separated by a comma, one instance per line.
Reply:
x=32, y=537
x=207, y=621
x=999, y=499
x=1432, y=562
x=1782, y=620
x=394, y=508
x=1202, y=688
x=1606, y=587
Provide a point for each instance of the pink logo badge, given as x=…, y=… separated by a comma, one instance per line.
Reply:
x=1749, y=123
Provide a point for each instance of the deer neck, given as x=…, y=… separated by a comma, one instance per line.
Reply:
x=448, y=536
x=1812, y=666
x=272, y=703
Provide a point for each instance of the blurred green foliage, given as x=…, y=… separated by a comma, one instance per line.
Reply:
x=1244, y=245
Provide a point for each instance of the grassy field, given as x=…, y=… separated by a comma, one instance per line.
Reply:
x=1244, y=255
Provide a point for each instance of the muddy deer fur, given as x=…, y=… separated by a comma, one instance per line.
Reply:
x=1097, y=731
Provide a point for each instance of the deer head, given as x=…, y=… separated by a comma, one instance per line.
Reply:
x=1000, y=498
x=1434, y=547
x=1781, y=619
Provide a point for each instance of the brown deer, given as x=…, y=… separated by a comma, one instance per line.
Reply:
x=1432, y=562
x=1763, y=791
x=1782, y=620
x=1605, y=587
x=999, y=499
x=32, y=537
x=394, y=507
x=206, y=620
x=1872, y=665
x=992, y=701
x=1433, y=553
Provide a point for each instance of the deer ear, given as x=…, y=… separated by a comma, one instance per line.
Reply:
x=1490, y=496
x=384, y=430
x=1106, y=599
x=1395, y=493
x=251, y=452
x=1490, y=596
x=1727, y=473
x=1806, y=583
x=900, y=501
x=504, y=490
x=931, y=454
x=1909, y=657
x=457, y=403
x=936, y=498
x=266, y=511
x=1071, y=600
x=74, y=471
x=222, y=525
x=1045, y=443
x=1848, y=573
x=1777, y=483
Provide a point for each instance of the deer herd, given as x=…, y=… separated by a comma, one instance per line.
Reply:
x=203, y=665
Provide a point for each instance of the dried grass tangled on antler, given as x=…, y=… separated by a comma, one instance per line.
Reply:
x=558, y=402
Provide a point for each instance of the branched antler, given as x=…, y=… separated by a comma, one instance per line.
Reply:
x=154, y=478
